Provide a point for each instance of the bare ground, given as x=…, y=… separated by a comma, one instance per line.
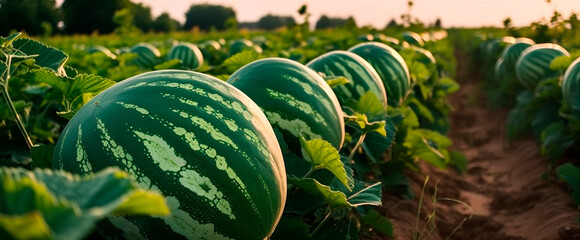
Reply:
x=507, y=189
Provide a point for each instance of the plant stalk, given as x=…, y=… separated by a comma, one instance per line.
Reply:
x=321, y=223
x=357, y=146
x=17, y=118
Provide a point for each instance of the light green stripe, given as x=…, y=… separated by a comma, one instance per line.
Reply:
x=294, y=102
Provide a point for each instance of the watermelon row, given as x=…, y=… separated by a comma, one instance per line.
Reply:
x=217, y=150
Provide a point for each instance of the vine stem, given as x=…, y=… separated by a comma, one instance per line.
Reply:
x=357, y=146
x=321, y=223
x=6, y=95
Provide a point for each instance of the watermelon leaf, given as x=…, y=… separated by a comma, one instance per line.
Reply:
x=48, y=57
x=571, y=175
x=370, y=105
x=379, y=223
x=68, y=206
x=42, y=156
x=76, y=91
x=335, y=199
x=170, y=64
x=322, y=155
x=335, y=81
x=239, y=60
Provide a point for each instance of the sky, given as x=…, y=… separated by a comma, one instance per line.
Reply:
x=377, y=13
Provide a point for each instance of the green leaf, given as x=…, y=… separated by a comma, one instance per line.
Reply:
x=25, y=226
x=364, y=194
x=76, y=91
x=48, y=57
x=571, y=175
x=335, y=81
x=375, y=144
x=340, y=228
x=42, y=156
x=448, y=85
x=458, y=161
x=429, y=146
x=335, y=199
x=362, y=121
x=379, y=223
x=171, y=64
x=420, y=109
x=560, y=63
x=7, y=41
x=556, y=139
x=239, y=60
x=322, y=155
x=370, y=105
x=70, y=205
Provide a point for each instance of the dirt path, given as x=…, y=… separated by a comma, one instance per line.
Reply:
x=508, y=196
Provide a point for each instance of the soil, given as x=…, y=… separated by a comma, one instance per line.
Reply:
x=506, y=193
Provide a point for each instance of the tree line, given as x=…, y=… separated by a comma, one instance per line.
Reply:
x=44, y=17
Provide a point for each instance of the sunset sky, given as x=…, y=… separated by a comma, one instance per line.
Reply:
x=462, y=13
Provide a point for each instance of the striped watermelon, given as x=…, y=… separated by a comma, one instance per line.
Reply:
x=391, y=41
x=296, y=100
x=103, y=50
x=390, y=66
x=494, y=48
x=512, y=52
x=423, y=55
x=533, y=65
x=201, y=142
x=412, y=38
x=147, y=55
x=499, y=70
x=240, y=45
x=571, y=87
x=361, y=75
x=188, y=53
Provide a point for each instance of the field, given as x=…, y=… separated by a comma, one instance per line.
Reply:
x=344, y=133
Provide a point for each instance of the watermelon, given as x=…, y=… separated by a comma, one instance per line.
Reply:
x=571, y=87
x=493, y=49
x=296, y=100
x=390, y=66
x=391, y=41
x=361, y=75
x=512, y=52
x=533, y=65
x=241, y=45
x=412, y=38
x=102, y=50
x=202, y=143
x=499, y=70
x=189, y=54
x=147, y=55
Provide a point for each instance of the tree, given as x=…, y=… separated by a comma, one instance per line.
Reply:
x=142, y=17
x=325, y=22
x=32, y=16
x=82, y=16
x=206, y=16
x=392, y=24
x=164, y=23
x=437, y=23
x=270, y=22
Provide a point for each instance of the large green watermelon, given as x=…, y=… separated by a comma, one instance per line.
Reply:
x=296, y=100
x=198, y=140
x=390, y=66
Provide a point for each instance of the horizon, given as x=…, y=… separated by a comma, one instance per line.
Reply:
x=378, y=13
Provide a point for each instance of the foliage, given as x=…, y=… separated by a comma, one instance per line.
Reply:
x=207, y=16
x=36, y=17
x=271, y=22
x=86, y=17
x=325, y=22
x=45, y=204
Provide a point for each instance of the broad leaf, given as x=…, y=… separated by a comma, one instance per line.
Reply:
x=370, y=105
x=322, y=155
x=363, y=123
x=69, y=205
x=340, y=228
x=239, y=60
x=8, y=40
x=420, y=109
x=560, y=63
x=335, y=199
x=556, y=139
x=448, y=85
x=48, y=57
x=458, y=161
x=76, y=91
x=429, y=146
x=171, y=64
x=571, y=175
x=364, y=194
x=376, y=144
x=379, y=223
x=336, y=81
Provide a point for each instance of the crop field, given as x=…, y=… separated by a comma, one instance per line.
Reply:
x=414, y=131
